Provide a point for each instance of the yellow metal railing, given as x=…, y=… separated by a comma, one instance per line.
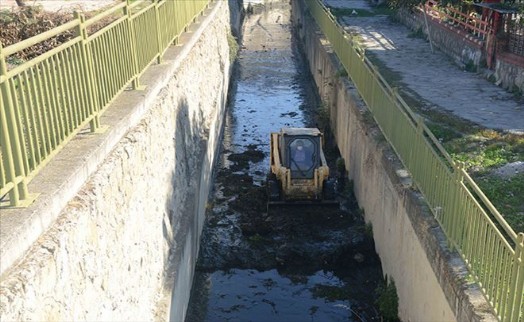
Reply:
x=493, y=252
x=44, y=102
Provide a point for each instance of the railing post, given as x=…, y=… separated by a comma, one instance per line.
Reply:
x=513, y=309
x=135, y=82
x=158, y=33
x=454, y=202
x=175, y=7
x=87, y=66
x=10, y=140
x=416, y=150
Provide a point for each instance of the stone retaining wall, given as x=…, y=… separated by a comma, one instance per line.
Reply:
x=129, y=238
x=509, y=72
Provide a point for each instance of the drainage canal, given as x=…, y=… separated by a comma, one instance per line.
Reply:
x=293, y=264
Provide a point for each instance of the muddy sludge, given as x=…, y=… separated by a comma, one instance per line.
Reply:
x=294, y=263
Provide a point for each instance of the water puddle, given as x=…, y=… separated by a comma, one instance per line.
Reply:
x=250, y=295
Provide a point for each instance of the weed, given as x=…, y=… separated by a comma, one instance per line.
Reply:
x=387, y=300
x=368, y=117
x=341, y=73
x=418, y=33
x=507, y=196
x=361, y=212
x=380, y=137
x=323, y=118
x=486, y=149
x=443, y=132
x=349, y=190
x=233, y=47
x=516, y=91
x=341, y=165
x=471, y=66
x=490, y=134
x=392, y=77
x=483, y=63
x=443, y=118
x=14, y=60
x=368, y=230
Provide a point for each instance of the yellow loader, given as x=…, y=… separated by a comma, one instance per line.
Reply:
x=299, y=171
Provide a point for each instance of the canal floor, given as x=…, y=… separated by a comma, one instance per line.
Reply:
x=291, y=264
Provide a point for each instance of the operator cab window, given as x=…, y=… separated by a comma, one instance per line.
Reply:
x=302, y=157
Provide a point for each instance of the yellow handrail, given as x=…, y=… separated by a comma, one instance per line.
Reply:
x=45, y=101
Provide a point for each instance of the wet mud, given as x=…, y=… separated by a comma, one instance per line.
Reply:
x=296, y=263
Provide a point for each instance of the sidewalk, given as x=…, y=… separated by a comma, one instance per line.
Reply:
x=432, y=78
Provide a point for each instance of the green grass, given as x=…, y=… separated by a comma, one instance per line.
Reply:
x=394, y=78
x=485, y=151
x=507, y=195
x=443, y=132
x=419, y=33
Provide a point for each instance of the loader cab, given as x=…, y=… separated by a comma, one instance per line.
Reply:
x=300, y=151
x=299, y=171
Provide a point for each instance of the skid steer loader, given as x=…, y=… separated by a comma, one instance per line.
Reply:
x=299, y=172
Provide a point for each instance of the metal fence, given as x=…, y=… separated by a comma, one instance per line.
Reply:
x=44, y=102
x=493, y=252
x=471, y=24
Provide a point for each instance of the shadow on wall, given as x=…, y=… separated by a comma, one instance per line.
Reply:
x=183, y=221
x=235, y=16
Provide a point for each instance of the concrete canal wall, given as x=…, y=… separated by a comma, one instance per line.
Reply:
x=116, y=229
x=430, y=279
